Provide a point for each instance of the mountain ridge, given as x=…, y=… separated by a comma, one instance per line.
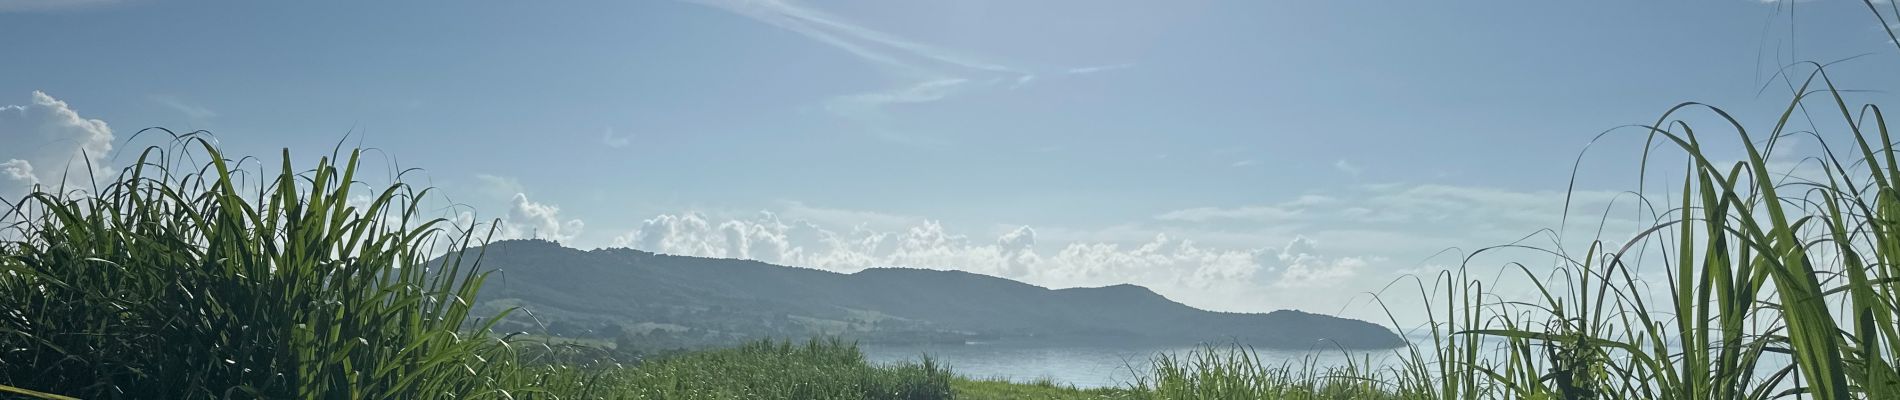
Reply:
x=633, y=295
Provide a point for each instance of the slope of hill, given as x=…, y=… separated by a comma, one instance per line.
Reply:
x=643, y=298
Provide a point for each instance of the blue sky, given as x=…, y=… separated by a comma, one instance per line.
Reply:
x=1243, y=155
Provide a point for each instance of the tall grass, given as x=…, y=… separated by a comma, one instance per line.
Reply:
x=1776, y=281
x=176, y=281
x=173, y=280
x=770, y=370
x=1239, y=373
x=1760, y=264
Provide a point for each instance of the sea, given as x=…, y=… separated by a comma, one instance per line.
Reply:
x=1087, y=365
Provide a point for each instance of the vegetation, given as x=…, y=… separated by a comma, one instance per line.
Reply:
x=659, y=302
x=996, y=389
x=775, y=370
x=178, y=283
x=175, y=281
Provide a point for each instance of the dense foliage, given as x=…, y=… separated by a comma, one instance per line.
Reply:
x=176, y=281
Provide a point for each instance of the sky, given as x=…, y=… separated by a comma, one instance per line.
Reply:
x=1232, y=155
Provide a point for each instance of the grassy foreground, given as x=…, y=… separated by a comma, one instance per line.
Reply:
x=188, y=281
x=183, y=280
x=176, y=281
x=1753, y=279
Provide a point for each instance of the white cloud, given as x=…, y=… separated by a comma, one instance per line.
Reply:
x=193, y=111
x=1098, y=68
x=1247, y=258
x=1022, y=81
x=1301, y=266
x=615, y=141
x=18, y=170
x=901, y=55
x=1244, y=163
x=1019, y=239
x=926, y=73
x=869, y=108
x=528, y=219
x=1179, y=268
x=50, y=143
x=921, y=72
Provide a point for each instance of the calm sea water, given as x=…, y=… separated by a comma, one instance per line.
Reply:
x=1092, y=366
x=1084, y=366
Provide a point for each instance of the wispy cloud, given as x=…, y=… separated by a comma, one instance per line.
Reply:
x=901, y=55
x=1245, y=163
x=1249, y=213
x=194, y=111
x=615, y=141
x=923, y=72
x=1098, y=68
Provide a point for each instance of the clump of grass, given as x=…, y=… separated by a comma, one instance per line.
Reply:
x=173, y=280
x=817, y=369
x=1773, y=284
x=181, y=283
x=1000, y=389
x=1237, y=372
x=1760, y=264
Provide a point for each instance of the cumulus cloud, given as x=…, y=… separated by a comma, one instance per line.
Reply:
x=1300, y=265
x=17, y=170
x=529, y=219
x=1245, y=258
x=50, y=143
x=1176, y=267
x=923, y=72
x=1020, y=239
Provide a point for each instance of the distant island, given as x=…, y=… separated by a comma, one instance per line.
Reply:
x=656, y=301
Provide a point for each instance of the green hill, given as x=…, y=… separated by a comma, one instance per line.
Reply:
x=653, y=300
